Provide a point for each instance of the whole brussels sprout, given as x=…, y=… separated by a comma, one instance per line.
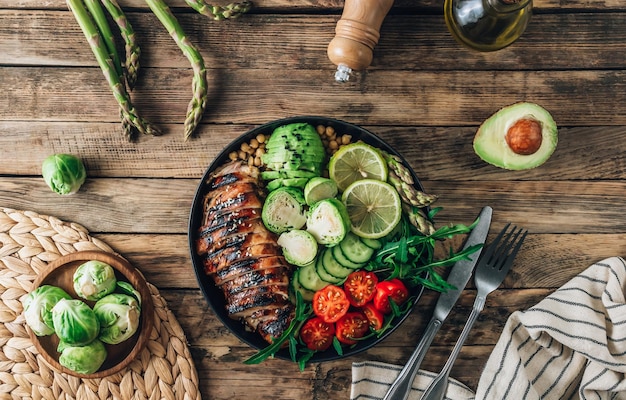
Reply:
x=127, y=288
x=38, y=308
x=118, y=315
x=64, y=173
x=74, y=322
x=93, y=280
x=82, y=359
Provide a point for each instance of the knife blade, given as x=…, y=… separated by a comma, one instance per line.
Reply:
x=458, y=278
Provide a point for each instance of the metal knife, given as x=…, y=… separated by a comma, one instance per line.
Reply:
x=458, y=277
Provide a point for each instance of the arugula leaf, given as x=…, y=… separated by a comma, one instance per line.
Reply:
x=410, y=256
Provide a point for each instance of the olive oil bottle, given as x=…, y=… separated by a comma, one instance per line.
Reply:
x=487, y=25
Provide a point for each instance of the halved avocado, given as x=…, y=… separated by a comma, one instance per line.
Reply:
x=520, y=136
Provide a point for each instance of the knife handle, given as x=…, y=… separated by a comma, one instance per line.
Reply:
x=401, y=387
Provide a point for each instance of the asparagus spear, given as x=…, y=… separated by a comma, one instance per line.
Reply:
x=197, y=104
x=232, y=10
x=133, y=51
x=400, y=177
x=131, y=121
x=102, y=23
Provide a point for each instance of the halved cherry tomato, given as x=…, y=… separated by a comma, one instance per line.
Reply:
x=394, y=289
x=330, y=303
x=352, y=326
x=317, y=334
x=374, y=317
x=360, y=287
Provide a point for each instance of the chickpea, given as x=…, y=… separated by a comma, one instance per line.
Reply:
x=320, y=129
x=333, y=145
x=346, y=139
x=233, y=155
x=260, y=138
x=245, y=147
x=330, y=131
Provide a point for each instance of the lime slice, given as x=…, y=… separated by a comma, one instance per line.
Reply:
x=319, y=188
x=356, y=161
x=374, y=207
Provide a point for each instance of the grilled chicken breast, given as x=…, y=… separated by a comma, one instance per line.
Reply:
x=241, y=255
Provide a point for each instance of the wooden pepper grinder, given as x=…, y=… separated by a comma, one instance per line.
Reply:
x=356, y=34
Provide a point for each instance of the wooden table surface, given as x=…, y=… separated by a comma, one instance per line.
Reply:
x=424, y=94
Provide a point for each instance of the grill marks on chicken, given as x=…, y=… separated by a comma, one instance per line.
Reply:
x=241, y=255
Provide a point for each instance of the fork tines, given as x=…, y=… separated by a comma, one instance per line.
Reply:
x=497, y=251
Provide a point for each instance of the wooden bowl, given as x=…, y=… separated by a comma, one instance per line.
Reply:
x=59, y=273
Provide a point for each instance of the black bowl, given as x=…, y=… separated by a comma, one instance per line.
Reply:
x=214, y=295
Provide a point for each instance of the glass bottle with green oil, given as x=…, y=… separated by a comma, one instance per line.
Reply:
x=487, y=25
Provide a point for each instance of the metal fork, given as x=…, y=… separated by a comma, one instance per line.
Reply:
x=492, y=267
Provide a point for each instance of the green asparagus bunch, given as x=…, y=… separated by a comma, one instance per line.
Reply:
x=122, y=74
x=197, y=105
x=92, y=21
x=132, y=49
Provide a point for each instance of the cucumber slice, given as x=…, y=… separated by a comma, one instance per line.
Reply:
x=307, y=295
x=343, y=260
x=355, y=250
x=299, y=247
x=309, y=279
x=283, y=210
x=323, y=273
x=328, y=221
x=373, y=243
x=332, y=266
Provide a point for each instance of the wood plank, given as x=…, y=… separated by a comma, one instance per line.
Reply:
x=597, y=150
x=417, y=42
x=333, y=5
x=104, y=205
x=166, y=262
x=384, y=97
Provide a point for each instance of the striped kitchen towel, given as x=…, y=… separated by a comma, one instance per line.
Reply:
x=572, y=345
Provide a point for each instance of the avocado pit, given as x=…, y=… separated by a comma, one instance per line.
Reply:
x=524, y=136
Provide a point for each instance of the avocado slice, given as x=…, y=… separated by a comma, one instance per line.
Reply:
x=520, y=136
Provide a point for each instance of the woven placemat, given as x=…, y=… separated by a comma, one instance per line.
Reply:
x=28, y=242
